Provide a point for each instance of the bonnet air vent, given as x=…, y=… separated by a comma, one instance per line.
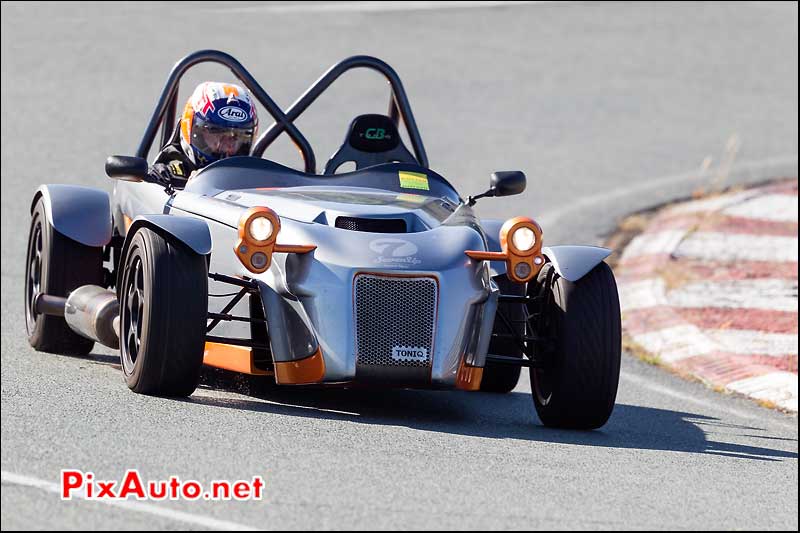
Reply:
x=373, y=225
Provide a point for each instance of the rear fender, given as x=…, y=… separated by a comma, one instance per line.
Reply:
x=81, y=213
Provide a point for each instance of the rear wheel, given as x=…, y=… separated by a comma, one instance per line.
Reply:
x=578, y=387
x=56, y=265
x=163, y=311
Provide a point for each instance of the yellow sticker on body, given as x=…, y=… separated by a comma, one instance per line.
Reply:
x=413, y=180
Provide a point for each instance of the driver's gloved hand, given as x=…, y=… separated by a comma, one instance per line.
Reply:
x=161, y=172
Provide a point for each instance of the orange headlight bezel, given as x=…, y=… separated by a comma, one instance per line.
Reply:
x=514, y=256
x=513, y=224
x=247, y=246
x=510, y=254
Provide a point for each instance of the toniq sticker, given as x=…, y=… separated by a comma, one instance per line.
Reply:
x=395, y=252
x=233, y=114
x=409, y=353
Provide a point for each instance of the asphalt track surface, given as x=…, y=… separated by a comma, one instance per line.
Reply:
x=607, y=108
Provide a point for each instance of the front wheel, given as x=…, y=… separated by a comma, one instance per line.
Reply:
x=163, y=311
x=578, y=386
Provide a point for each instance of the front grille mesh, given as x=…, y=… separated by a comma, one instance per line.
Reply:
x=394, y=314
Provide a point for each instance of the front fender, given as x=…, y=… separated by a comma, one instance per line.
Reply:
x=573, y=262
x=189, y=231
x=570, y=261
x=81, y=213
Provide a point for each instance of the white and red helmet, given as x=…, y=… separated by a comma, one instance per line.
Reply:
x=219, y=121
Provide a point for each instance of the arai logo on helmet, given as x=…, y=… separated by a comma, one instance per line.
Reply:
x=233, y=114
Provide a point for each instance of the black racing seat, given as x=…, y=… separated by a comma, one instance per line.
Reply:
x=371, y=140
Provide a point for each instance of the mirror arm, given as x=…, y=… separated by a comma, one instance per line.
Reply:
x=157, y=178
x=472, y=199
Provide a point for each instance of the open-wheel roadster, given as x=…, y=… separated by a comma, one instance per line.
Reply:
x=382, y=276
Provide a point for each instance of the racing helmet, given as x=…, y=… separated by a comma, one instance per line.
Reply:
x=219, y=121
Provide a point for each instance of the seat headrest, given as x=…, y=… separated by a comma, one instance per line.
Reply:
x=370, y=140
x=373, y=133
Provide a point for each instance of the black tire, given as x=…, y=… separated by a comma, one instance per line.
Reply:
x=56, y=265
x=163, y=311
x=503, y=378
x=579, y=388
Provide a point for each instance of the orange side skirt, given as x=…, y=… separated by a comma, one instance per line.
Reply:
x=230, y=357
x=304, y=371
x=469, y=377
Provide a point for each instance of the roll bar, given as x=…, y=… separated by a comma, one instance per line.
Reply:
x=398, y=102
x=166, y=109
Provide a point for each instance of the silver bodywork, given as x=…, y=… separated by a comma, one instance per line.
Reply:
x=310, y=298
x=311, y=301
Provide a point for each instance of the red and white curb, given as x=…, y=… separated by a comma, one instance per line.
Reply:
x=710, y=289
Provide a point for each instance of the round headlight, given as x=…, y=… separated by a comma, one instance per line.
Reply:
x=261, y=228
x=523, y=238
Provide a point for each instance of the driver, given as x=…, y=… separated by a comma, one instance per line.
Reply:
x=219, y=121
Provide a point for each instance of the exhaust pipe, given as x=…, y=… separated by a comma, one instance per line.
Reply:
x=90, y=311
x=93, y=312
x=49, y=305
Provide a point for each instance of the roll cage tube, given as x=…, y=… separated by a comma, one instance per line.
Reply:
x=166, y=109
x=165, y=112
x=398, y=103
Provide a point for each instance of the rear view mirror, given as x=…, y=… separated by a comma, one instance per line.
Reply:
x=505, y=183
x=127, y=168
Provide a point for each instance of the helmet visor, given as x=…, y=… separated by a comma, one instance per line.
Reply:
x=220, y=142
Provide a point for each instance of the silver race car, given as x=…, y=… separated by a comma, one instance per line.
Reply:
x=380, y=277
